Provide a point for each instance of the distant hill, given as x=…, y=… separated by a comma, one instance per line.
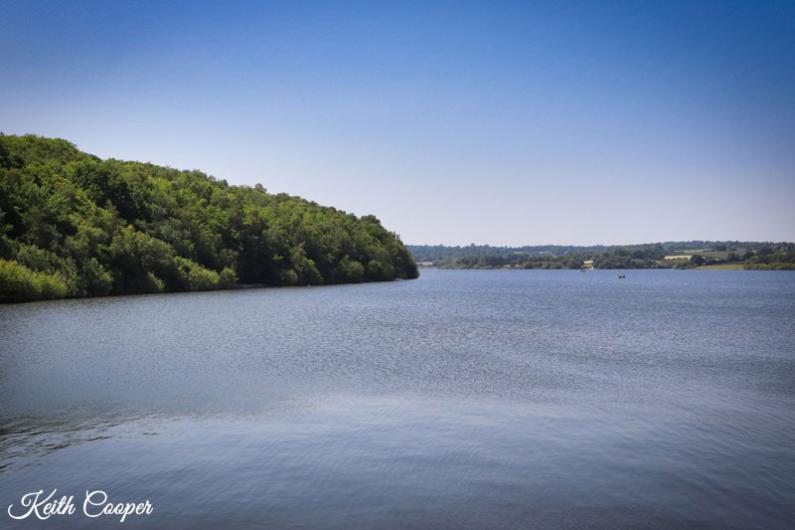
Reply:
x=74, y=225
x=671, y=254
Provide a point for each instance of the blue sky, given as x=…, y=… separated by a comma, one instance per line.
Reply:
x=488, y=122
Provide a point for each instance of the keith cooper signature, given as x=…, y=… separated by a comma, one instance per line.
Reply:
x=95, y=504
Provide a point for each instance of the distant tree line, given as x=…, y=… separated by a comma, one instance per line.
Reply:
x=74, y=225
x=748, y=254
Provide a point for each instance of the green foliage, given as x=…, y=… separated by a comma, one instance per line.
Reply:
x=18, y=284
x=94, y=280
x=227, y=278
x=75, y=225
x=351, y=270
x=194, y=277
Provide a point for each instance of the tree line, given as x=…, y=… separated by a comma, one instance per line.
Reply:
x=685, y=254
x=74, y=225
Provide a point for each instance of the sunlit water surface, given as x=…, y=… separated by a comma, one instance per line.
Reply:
x=467, y=399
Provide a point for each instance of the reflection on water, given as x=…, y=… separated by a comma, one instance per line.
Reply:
x=27, y=441
x=464, y=399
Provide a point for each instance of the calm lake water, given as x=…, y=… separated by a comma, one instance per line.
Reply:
x=467, y=399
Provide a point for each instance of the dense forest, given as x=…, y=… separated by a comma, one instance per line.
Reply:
x=667, y=255
x=74, y=225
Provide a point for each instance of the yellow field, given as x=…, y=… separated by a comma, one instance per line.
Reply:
x=723, y=267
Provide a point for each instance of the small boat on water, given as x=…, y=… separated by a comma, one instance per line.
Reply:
x=622, y=276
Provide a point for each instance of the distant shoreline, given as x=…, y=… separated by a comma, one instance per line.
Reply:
x=734, y=268
x=703, y=255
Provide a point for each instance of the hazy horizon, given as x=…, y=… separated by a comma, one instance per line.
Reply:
x=506, y=124
x=409, y=243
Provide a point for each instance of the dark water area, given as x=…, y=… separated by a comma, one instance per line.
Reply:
x=464, y=399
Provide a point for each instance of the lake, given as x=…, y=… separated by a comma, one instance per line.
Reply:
x=464, y=399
